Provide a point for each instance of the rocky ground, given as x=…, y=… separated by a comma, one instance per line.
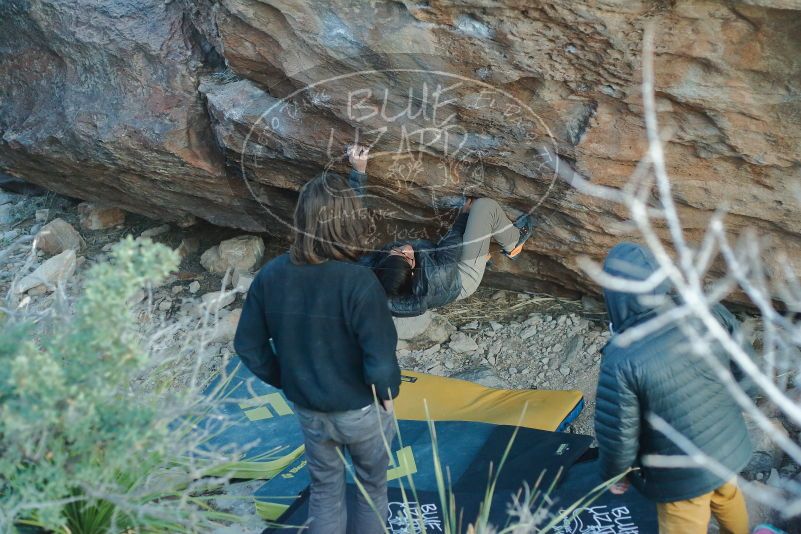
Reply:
x=511, y=340
x=496, y=338
x=72, y=237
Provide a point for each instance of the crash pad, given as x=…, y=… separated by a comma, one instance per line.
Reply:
x=253, y=420
x=467, y=451
x=258, y=419
x=473, y=423
x=450, y=399
x=630, y=513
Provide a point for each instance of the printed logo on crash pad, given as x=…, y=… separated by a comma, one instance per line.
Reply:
x=402, y=465
x=259, y=408
x=412, y=517
x=595, y=519
x=294, y=471
x=409, y=379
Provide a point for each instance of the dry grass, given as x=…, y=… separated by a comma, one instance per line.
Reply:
x=489, y=304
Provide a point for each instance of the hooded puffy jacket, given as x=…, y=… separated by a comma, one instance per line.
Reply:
x=660, y=375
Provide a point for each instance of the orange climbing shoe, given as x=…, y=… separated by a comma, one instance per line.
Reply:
x=515, y=251
x=525, y=223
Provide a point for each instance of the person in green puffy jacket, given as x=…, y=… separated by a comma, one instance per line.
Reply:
x=659, y=374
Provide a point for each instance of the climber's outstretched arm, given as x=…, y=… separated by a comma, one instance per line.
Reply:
x=357, y=178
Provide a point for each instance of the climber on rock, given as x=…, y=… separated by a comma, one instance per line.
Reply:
x=419, y=275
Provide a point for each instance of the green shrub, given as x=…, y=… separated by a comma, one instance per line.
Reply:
x=82, y=450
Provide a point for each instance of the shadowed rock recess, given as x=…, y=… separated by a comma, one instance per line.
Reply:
x=220, y=110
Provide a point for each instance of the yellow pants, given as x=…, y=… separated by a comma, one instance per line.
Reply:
x=692, y=516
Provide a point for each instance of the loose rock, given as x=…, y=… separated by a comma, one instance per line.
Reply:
x=461, y=342
x=430, y=351
x=411, y=327
x=6, y=214
x=42, y=215
x=41, y=289
x=56, y=270
x=242, y=281
x=531, y=331
x=440, y=329
x=573, y=347
x=57, y=236
x=243, y=253
x=483, y=375
x=215, y=300
x=137, y=297
x=225, y=328
x=97, y=217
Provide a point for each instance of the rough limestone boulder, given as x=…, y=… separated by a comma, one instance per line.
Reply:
x=222, y=109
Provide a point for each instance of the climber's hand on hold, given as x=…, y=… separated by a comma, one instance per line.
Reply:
x=357, y=155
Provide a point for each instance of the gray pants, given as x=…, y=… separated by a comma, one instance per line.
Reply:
x=485, y=222
x=363, y=433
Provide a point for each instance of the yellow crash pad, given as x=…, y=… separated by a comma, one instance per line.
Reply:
x=450, y=399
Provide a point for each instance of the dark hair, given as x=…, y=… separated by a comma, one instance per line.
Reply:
x=395, y=274
x=329, y=221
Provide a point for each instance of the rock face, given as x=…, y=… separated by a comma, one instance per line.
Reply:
x=223, y=109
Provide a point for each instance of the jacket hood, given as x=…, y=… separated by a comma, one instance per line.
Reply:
x=633, y=262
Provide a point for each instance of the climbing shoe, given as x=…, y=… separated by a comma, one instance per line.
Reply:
x=524, y=223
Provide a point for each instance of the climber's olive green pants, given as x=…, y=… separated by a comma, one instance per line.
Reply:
x=485, y=222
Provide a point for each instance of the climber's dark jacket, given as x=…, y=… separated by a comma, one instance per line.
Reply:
x=659, y=374
x=436, y=279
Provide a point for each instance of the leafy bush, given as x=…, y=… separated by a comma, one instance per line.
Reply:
x=82, y=450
